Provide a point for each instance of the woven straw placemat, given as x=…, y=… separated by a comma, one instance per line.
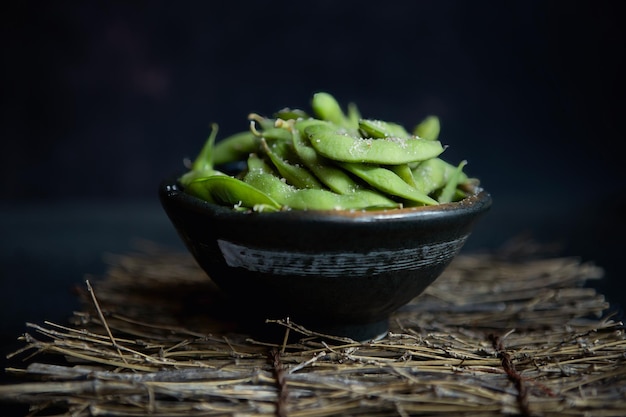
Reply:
x=508, y=332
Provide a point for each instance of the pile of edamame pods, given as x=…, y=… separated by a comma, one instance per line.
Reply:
x=327, y=160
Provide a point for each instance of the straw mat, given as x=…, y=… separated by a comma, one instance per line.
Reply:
x=510, y=332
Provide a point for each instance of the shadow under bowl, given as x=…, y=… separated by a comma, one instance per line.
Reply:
x=337, y=272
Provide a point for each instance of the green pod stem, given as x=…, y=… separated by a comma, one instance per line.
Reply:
x=202, y=166
x=204, y=160
x=264, y=122
x=270, y=128
x=428, y=129
x=389, y=151
x=330, y=175
x=230, y=191
x=449, y=190
x=316, y=199
x=387, y=182
x=378, y=129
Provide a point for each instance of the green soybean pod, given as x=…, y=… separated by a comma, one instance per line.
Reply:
x=196, y=189
x=291, y=114
x=302, y=125
x=388, y=182
x=333, y=177
x=227, y=190
x=379, y=129
x=294, y=174
x=277, y=134
x=430, y=175
x=428, y=129
x=353, y=117
x=364, y=199
x=389, y=151
x=403, y=171
x=433, y=174
x=316, y=199
x=269, y=184
x=190, y=176
x=326, y=107
x=256, y=163
x=235, y=147
x=449, y=190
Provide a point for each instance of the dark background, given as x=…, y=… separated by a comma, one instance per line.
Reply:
x=100, y=100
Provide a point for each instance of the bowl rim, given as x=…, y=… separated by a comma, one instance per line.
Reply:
x=478, y=201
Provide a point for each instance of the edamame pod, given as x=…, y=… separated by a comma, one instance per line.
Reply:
x=329, y=161
x=326, y=107
x=311, y=199
x=301, y=125
x=378, y=129
x=191, y=176
x=433, y=174
x=235, y=147
x=291, y=114
x=226, y=190
x=403, y=171
x=294, y=174
x=256, y=163
x=316, y=199
x=428, y=128
x=354, y=115
x=333, y=177
x=389, y=151
x=388, y=182
x=449, y=190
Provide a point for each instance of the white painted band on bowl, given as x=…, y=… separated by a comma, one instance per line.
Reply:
x=333, y=264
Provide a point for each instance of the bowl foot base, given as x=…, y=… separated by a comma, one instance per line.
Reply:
x=359, y=332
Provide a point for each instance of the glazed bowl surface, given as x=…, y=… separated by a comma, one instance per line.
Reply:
x=336, y=272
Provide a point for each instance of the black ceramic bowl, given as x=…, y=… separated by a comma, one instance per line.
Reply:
x=335, y=272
